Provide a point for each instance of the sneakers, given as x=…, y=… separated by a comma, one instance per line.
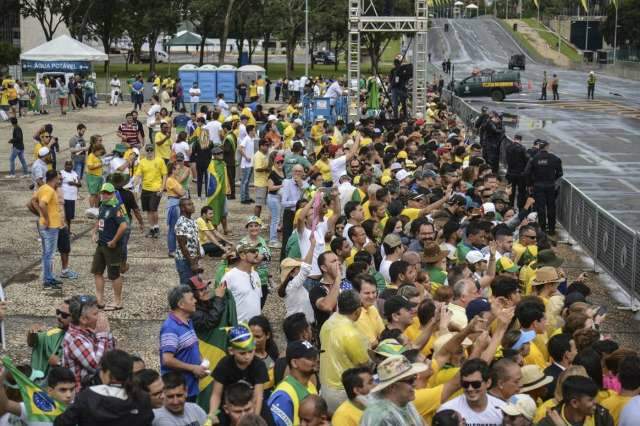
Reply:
x=69, y=274
x=275, y=244
x=52, y=285
x=10, y=176
x=156, y=233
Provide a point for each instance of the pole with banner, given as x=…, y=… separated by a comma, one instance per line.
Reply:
x=615, y=32
x=536, y=2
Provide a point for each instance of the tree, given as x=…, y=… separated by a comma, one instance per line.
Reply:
x=161, y=17
x=106, y=22
x=225, y=31
x=49, y=13
x=628, y=29
x=75, y=14
x=246, y=25
x=9, y=54
x=137, y=27
x=204, y=14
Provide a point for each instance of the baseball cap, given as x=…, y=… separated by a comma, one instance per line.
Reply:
x=149, y=148
x=107, y=187
x=389, y=347
x=298, y=121
x=241, y=338
x=246, y=247
x=392, y=240
x=520, y=405
x=395, y=166
x=489, y=208
x=475, y=256
x=301, y=349
x=543, y=144
x=272, y=118
x=525, y=337
x=395, y=303
x=420, y=122
x=120, y=148
x=402, y=175
x=253, y=219
x=197, y=283
x=477, y=306
x=43, y=152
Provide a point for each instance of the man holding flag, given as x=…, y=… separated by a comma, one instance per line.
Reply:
x=38, y=408
x=218, y=189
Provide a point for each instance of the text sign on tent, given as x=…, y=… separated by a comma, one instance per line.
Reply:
x=55, y=66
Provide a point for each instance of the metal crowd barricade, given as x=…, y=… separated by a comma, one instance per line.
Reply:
x=612, y=245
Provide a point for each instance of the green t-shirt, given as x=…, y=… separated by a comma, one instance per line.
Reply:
x=48, y=343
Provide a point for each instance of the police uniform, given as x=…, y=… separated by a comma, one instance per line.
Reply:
x=516, y=163
x=491, y=150
x=542, y=172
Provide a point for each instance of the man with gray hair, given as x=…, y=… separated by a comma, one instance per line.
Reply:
x=464, y=291
x=343, y=347
x=179, y=349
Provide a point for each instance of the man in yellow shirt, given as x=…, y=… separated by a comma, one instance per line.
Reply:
x=261, y=172
x=152, y=172
x=162, y=140
x=531, y=316
x=629, y=376
x=343, y=347
x=370, y=322
x=246, y=111
x=357, y=383
x=49, y=226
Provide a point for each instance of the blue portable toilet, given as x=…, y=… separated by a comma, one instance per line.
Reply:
x=227, y=82
x=188, y=73
x=207, y=79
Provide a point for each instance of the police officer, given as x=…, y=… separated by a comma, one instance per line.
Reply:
x=480, y=123
x=542, y=172
x=494, y=136
x=517, y=159
x=591, y=85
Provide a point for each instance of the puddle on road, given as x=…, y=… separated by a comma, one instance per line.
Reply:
x=516, y=121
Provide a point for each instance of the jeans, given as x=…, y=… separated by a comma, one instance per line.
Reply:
x=49, y=237
x=173, y=213
x=17, y=153
x=78, y=167
x=90, y=99
x=184, y=271
x=202, y=179
x=194, y=107
x=179, y=103
x=247, y=172
x=138, y=100
x=273, y=202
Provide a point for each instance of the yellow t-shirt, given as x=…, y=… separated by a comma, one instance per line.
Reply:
x=288, y=133
x=411, y=213
x=173, y=186
x=615, y=404
x=413, y=331
x=48, y=195
x=370, y=323
x=317, y=130
x=247, y=111
x=163, y=149
x=92, y=161
x=535, y=357
x=260, y=161
x=291, y=110
x=324, y=169
x=542, y=409
x=517, y=251
x=203, y=226
x=36, y=148
x=344, y=346
x=347, y=414
x=152, y=172
x=253, y=90
x=427, y=401
x=365, y=142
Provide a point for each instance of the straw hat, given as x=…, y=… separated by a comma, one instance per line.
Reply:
x=520, y=405
x=533, y=378
x=286, y=266
x=396, y=368
x=546, y=275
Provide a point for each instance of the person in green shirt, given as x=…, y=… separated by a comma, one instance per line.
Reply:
x=47, y=344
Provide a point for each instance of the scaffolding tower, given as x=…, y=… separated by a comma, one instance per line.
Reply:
x=363, y=17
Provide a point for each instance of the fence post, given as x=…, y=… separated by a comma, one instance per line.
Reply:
x=632, y=292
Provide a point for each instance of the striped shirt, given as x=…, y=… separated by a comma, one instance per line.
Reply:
x=179, y=338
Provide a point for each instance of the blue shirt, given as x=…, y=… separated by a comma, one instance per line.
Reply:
x=179, y=338
x=137, y=86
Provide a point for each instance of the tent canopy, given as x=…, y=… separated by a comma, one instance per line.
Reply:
x=187, y=38
x=471, y=6
x=458, y=3
x=252, y=68
x=64, y=48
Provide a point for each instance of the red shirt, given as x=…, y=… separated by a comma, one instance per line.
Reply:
x=130, y=132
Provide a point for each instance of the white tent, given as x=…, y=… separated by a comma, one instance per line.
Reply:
x=458, y=3
x=252, y=68
x=471, y=6
x=64, y=48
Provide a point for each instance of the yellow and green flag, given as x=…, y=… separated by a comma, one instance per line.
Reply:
x=536, y=3
x=585, y=5
x=39, y=406
x=217, y=189
x=615, y=3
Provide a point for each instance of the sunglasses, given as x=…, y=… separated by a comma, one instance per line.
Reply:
x=63, y=315
x=533, y=237
x=409, y=380
x=475, y=384
x=279, y=162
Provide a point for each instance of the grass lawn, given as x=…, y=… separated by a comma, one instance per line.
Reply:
x=552, y=40
x=522, y=40
x=391, y=51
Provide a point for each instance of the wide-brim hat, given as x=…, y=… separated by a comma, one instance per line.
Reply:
x=286, y=266
x=432, y=253
x=546, y=275
x=533, y=378
x=396, y=368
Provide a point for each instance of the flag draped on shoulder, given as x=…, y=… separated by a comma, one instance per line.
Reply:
x=213, y=347
x=38, y=405
x=217, y=189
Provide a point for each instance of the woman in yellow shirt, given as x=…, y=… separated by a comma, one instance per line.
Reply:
x=175, y=191
x=292, y=108
x=322, y=166
x=94, y=169
x=253, y=91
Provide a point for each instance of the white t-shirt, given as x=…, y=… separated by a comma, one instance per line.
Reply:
x=194, y=94
x=338, y=168
x=151, y=115
x=242, y=131
x=224, y=107
x=115, y=163
x=214, y=127
x=297, y=297
x=305, y=244
x=491, y=416
x=192, y=415
x=246, y=290
x=70, y=192
x=249, y=150
x=182, y=147
x=9, y=419
x=384, y=269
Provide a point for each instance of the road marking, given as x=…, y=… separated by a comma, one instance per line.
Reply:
x=587, y=158
x=629, y=185
x=625, y=140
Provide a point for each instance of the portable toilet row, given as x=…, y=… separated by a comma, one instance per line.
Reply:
x=211, y=81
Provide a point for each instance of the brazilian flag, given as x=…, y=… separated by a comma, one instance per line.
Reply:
x=39, y=406
x=217, y=189
x=213, y=346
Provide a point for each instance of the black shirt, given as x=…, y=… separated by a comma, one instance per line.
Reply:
x=276, y=179
x=316, y=293
x=109, y=220
x=129, y=201
x=544, y=169
x=227, y=372
x=516, y=159
x=16, y=139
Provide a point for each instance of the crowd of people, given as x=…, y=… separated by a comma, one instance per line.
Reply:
x=420, y=287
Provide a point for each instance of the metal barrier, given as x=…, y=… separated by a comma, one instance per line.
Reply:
x=612, y=245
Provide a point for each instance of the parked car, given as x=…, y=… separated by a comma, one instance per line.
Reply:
x=323, y=57
x=161, y=57
x=517, y=61
x=496, y=84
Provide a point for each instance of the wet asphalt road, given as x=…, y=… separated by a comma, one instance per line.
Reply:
x=598, y=141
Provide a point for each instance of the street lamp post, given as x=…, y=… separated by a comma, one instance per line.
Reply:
x=615, y=36
x=306, y=38
x=586, y=33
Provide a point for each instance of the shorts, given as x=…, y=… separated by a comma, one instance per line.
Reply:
x=107, y=258
x=212, y=250
x=62, y=101
x=94, y=183
x=24, y=104
x=261, y=196
x=64, y=241
x=150, y=201
x=70, y=209
x=13, y=102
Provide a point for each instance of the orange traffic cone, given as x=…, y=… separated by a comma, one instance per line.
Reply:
x=530, y=85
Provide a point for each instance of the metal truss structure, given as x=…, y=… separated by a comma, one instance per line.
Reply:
x=363, y=18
